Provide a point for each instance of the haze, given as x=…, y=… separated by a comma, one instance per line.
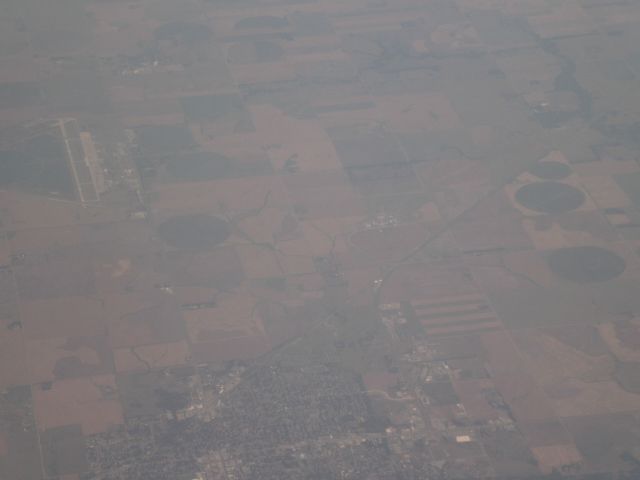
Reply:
x=319, y=239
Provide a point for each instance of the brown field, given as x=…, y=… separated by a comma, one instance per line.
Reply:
x=57, y=358
x=258, y=261
x=147, y=357
x=504, y=272
x=418, y=113
x=570, y=229
x=91, y=402
x=622, y=339
x=585, y=339
x=62, y=317
x=381, y=381
x=220, y=268
x=416, y=281
x=493, y=224
x=387, y=245
x=46, y=239
x=602, y=439
x=282, y=321
x=511, y=456
x=5, y=251
x=138, y=110
x=266, y=226
x=31, y=211
x=69, y=273
x=327, y=235
x=13, y=365
x=578, y=397
x=142, y=319
x=327, y=202
x=519, y=389
x=604, y=190
x=249, y=74
x=303, y=181
x=9, y=116
x=234, y=315
x=3, y=445
x=232, y=329
x=220, y=196
x=304, y=140
x=521, y=69
x=238, y=348
x=527, y=400
x=545, y=433
x=466, y=182
x=294, y=257
x=554, y=363
x=129, y=271
x=564, y=20
x=553, y=457
x=607, y=167
x=359, y=282
x=473, y=397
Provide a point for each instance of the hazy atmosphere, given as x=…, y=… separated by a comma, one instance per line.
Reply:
x=319, y=239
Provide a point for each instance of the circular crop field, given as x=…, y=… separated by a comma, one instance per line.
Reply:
x=550, y=170
x=586, y=264
x=550, y=197
x=194, y=232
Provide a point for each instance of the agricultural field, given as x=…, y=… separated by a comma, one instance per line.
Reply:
x=319, y=239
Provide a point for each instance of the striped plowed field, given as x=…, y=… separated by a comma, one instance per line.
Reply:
x=458, y=314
